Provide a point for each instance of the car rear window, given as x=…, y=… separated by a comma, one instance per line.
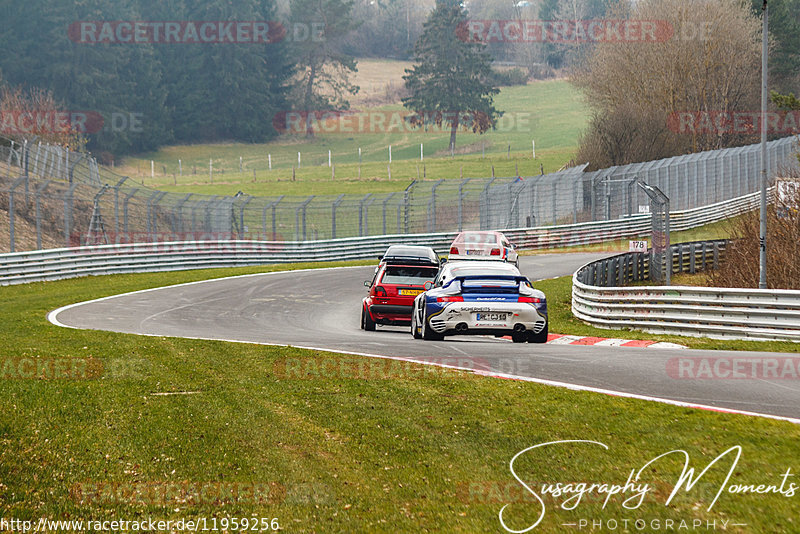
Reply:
x=477, y=239
x=416, y=276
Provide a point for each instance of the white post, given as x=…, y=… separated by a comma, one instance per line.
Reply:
x=533, y=146
x=152, y=169
x=180, y=167
x=240, y=163
x=210, y=171
x=329, y=158
x=269, y=157
x=359, y=155
x=298, y=159
x=421, y=153
x=390, y=153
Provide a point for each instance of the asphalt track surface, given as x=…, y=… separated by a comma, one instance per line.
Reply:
x=320, y=309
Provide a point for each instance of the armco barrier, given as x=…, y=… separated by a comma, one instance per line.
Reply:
x=725, y=313
x=55, y=264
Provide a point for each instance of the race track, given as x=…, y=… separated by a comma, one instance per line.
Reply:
x=320, y=309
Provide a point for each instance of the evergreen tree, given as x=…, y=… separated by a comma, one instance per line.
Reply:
x=325, y=70
x=449, y=82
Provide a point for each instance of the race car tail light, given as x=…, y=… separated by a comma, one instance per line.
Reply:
x=530, y=300
x=380, y=291
x=454, y=250
x=495, y=252
x=450, y=299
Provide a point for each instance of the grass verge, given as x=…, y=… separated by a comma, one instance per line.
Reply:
x=403, y=454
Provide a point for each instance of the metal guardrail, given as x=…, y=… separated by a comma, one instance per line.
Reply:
x=55, y=264
x=600, y=299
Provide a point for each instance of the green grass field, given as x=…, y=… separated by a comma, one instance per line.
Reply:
x=410, y=452
x=550, y=112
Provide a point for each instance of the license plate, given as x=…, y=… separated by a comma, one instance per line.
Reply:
x=410, y=292
x=475, y=253
x=491, y=317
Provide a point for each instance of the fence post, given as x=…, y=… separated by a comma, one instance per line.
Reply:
x=460, y=204
x=116, y=205
x=361, y=214
x=179, y=212
x=271, y=205
x=241, y=216
x=335, y=205
x=484, y=203
x=385, y=202
x=39, y=191
x=128, y=196
x=68, y=213
x=432, y=204
x=11, y=210
x=302, y=207
x=407, y=206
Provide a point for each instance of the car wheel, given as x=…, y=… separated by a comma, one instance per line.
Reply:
x=414, y=326
x=541, y=337
x=427, y=332
x=366, y=321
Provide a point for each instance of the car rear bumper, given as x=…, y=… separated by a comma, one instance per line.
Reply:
x=481, y=318
x=390, y=309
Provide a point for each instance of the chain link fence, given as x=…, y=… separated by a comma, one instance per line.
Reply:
x=51, y=197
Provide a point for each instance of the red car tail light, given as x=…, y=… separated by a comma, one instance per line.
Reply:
x=495, y=252
x=380, y=291
x=530, y=300
x=454, y=250
x=450, y=299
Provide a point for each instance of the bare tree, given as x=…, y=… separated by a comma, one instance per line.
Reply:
x=705, y=67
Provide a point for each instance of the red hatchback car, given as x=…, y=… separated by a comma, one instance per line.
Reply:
x=399, y=278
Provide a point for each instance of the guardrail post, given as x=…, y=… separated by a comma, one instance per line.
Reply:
x=692, y=259
x=716, y=255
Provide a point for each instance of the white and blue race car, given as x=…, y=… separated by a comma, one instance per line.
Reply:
x=480, y=298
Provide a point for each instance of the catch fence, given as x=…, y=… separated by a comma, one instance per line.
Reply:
x=58, y=198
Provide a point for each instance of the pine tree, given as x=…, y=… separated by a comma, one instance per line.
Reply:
x=325, y=71
x=449, y=82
